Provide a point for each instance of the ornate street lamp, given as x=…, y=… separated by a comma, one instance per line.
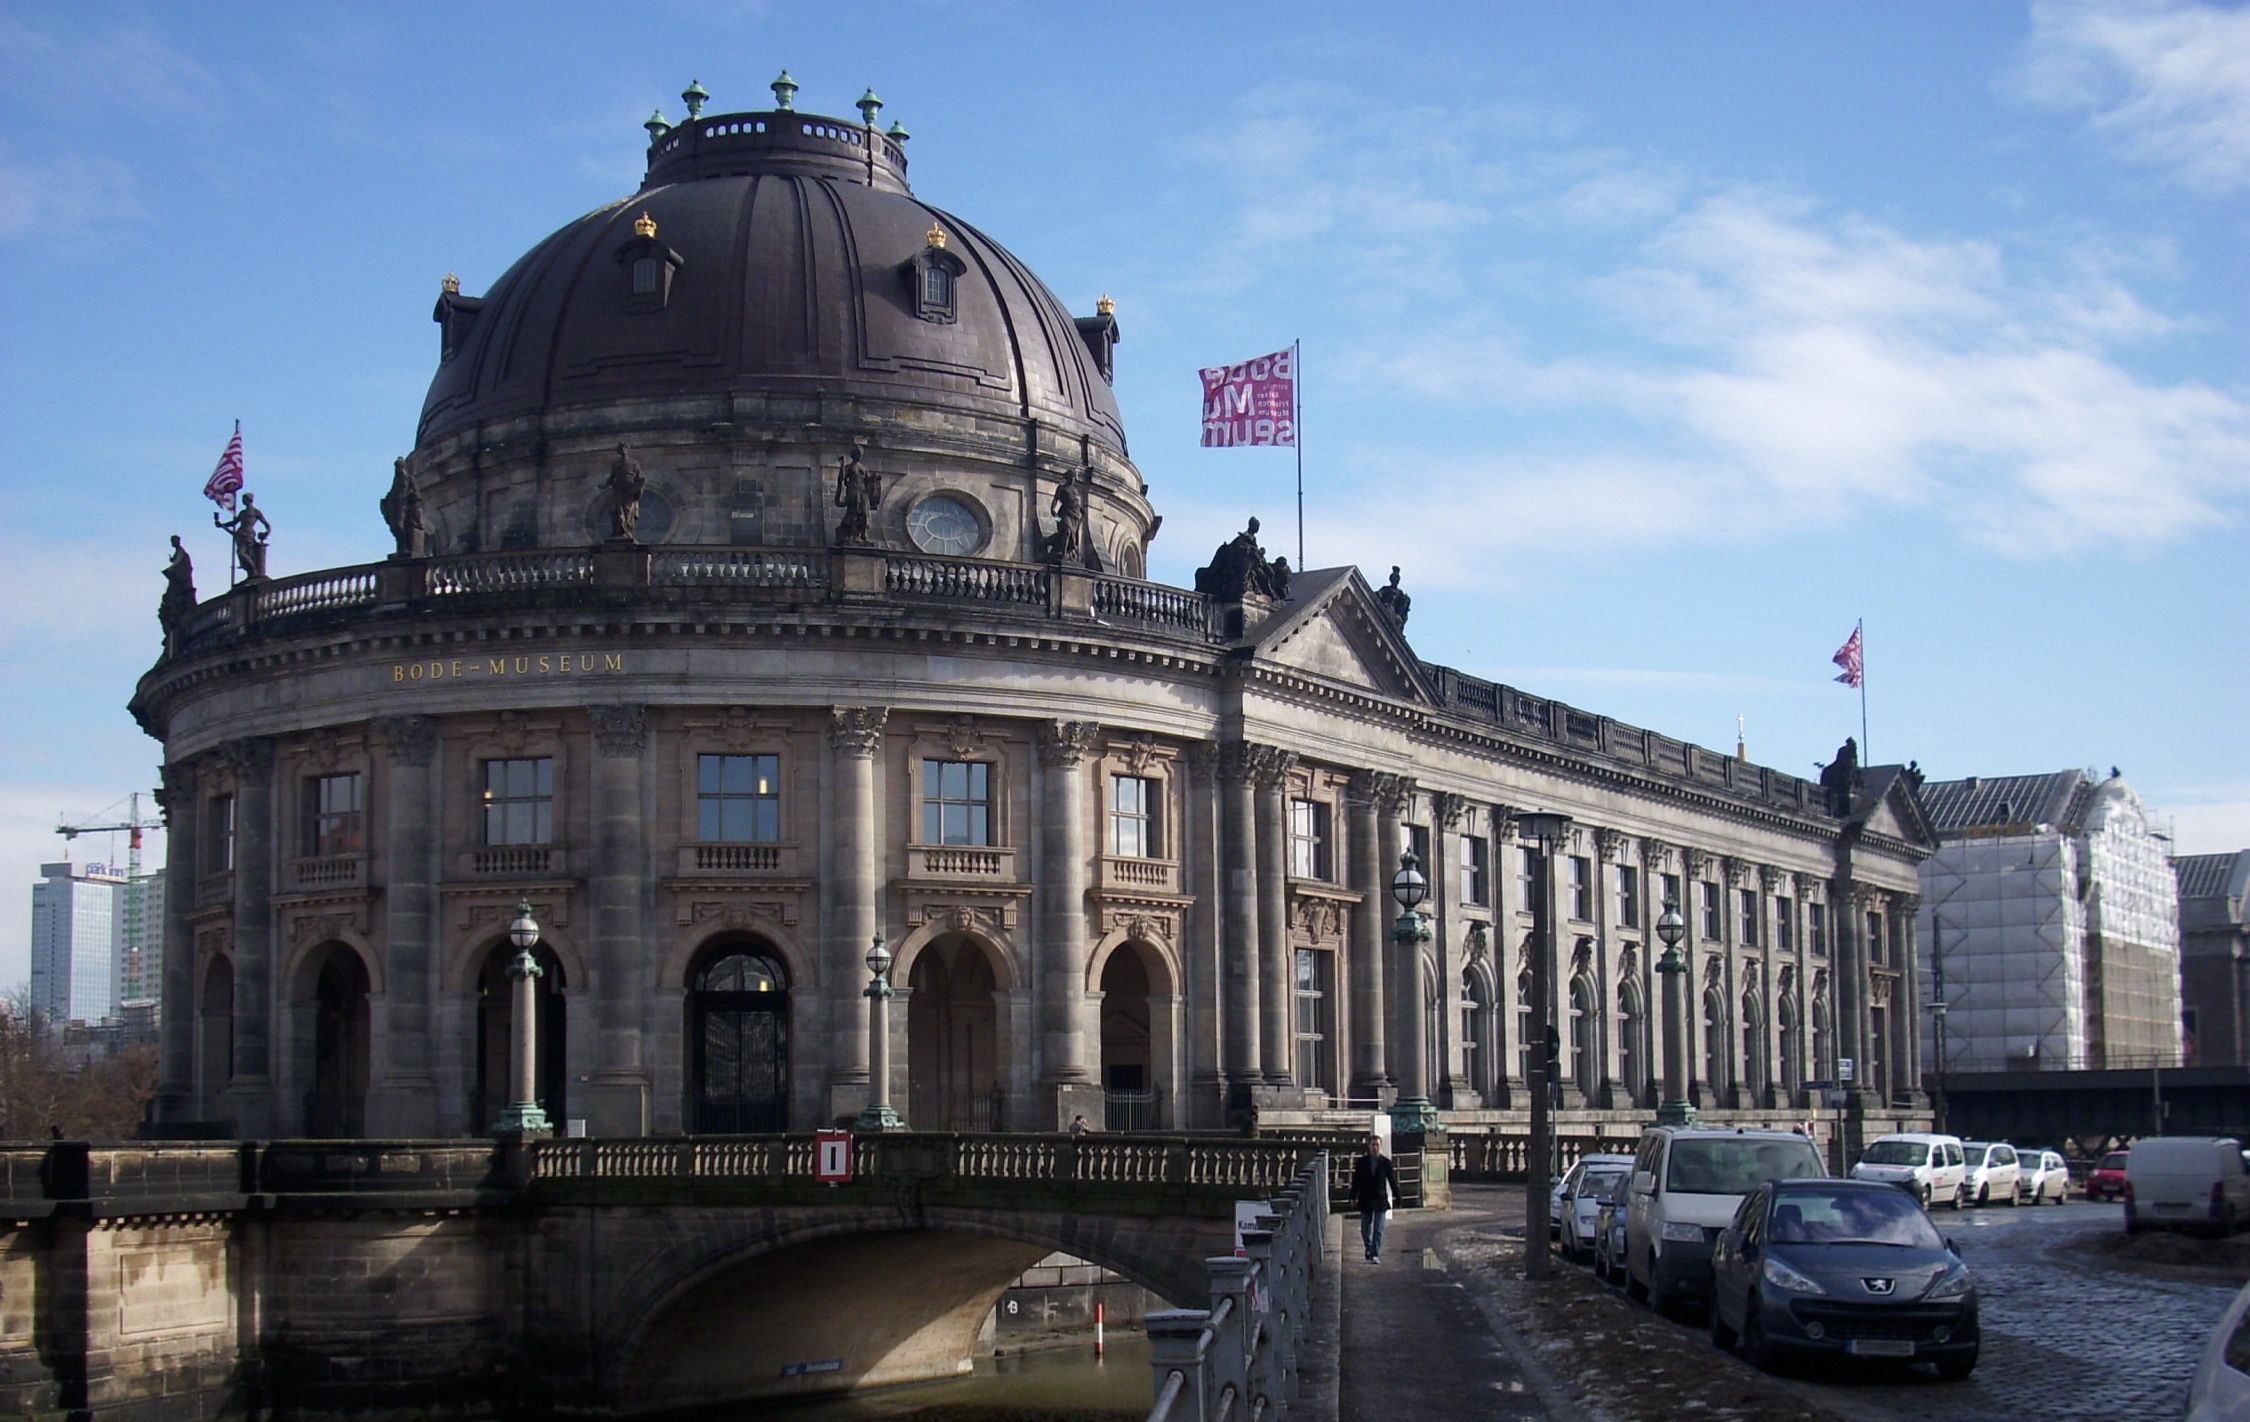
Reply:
x=1937, y=1030
x=522, y=1115
x=879, y=1116
x=1674, y=1110
x=1413, y=1114
x=1549, y=833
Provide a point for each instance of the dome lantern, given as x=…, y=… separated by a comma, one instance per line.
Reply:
x=695, y=96
x=657, y=126
x=869, y=106
x=784, y=92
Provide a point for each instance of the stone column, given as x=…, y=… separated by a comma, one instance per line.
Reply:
x=250, y=1096
x=617, y=1097
x=1068, y=1084
x=1277, y=1036
x=403, y=1100
x=1373, y=799
x=855, y=733
x=1238, y=927
x=1452, y=1087
x=1906, y=1002
x=1848, y=922
x=1696, y=870
x=180, y=1012
x=1401, y=1000
x=1205, y=1107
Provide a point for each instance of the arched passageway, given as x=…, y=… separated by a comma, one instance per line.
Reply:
x=215, y=1032
x=952, y=1038
x=336, y=1104
x=496, y=1035
x=1129, y=1082
x=738, y=1040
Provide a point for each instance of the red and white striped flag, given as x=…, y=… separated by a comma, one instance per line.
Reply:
x=226, y=480
x=1847, y=657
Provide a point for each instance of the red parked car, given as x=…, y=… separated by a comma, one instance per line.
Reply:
x=2108, y=1179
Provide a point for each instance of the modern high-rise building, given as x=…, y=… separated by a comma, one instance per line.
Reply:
x=2049, y=926
x=75, y=920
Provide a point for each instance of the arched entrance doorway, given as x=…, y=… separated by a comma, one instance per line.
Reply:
x=738, y=1041
x=215, y=1050
x=496, y=1035
x=953, y=1038
x=336, y=1106
x=1129, y=1086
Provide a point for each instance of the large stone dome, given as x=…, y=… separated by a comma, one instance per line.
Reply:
x=793, y=256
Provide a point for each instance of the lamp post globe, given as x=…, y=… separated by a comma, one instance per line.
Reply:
x=1414, y=1115
x=523, y=1116
x=878, y=957
x=524, y=932
x=1674, y=1109
x=1408, y=886
x=878, y=1115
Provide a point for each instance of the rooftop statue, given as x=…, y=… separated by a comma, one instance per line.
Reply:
x=1394, y=600
x=859, y=492
x=1240, y=568
x=251, y=531
x=402, y=510
x=626, y=484
x=1068, y=546
x=179, y=594
x=1841, y=777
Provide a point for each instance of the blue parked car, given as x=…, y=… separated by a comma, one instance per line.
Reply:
x=1841, y=1268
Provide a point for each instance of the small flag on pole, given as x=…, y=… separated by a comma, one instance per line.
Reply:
x=1847, y=657
x=226, y=480
x=1252, y=403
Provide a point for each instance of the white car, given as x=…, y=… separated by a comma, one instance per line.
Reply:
x=1925, y=1166
x=1582, y=1206
x=1991, y=1172
x=1561, y=1189
x=2221, y=1390
x=2044, y=1176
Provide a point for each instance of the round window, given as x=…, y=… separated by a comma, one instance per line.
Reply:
x=944, y=524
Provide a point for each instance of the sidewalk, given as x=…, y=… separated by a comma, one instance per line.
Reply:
x=1415, y=1344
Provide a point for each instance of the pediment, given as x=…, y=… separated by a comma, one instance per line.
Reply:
x=1335, y=631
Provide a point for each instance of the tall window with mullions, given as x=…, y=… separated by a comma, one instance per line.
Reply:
x=519, y=801
x=1314, y=972
x=738, y=799
x=1132, y=817
x=956, y=802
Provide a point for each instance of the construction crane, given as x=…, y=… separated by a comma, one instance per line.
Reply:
x=132, y=825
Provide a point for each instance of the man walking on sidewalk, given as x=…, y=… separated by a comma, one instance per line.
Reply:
x=1374, y=1192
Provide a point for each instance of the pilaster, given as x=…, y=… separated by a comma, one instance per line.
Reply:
x=403, y=1100
x=249, y=1098
x=1069, y=1085
x=855, y=735
x=617, y=1097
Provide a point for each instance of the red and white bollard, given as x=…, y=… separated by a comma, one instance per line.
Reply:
x=1097, y=1330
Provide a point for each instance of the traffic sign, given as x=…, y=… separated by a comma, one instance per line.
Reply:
x=832, y=1157
x=1843, y=1068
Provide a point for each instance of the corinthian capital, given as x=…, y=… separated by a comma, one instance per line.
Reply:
x=1065, y=743
x=619, y=730
x=1270, y=765
x=856, y=730
x=1448, y=807
x=411, y=740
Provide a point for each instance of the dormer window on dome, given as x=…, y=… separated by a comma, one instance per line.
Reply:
x=933, y=277
x=455, y=314
x=649, y=268
x=1099, y=332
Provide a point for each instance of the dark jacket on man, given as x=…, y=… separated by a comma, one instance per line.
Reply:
x=1374, y=1183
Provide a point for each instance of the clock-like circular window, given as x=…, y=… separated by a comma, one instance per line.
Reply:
x=942, y=523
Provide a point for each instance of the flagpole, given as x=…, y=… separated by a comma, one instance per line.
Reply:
x=1859, y=630
x=1297, y=437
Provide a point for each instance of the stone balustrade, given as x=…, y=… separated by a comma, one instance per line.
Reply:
x=1239, y=1359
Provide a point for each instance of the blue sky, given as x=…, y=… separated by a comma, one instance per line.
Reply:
x=1657, y=342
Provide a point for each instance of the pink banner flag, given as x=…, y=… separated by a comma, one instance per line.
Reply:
x=1847, y=657
x=226, y=480
x=1251, y=403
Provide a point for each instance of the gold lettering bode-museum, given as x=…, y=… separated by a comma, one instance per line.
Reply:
x=830, y=500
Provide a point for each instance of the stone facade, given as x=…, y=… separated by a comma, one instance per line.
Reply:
x=1129, y=844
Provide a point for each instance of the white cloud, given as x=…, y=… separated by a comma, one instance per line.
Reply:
x=71, y=195
x=2210, y=818
x=2167, y=84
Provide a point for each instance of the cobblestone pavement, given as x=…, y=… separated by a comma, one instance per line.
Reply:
x=2066, y=1334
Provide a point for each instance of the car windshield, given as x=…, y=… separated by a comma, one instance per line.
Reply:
x=1896, y=1153
x=1974, y=1152
x=2115, y=1160
x=1598, y=1182
x=1736, y=1166
x=1811, y=1215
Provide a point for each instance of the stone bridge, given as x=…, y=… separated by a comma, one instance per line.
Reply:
x=604, y=1277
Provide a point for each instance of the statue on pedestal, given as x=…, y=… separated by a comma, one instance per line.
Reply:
x=251, y=531
x=179, y=594
x=859, y=492
x=625, y=484
x=402, y=510
x=1841, y=777
x=1240, y=567
x=1394, y=600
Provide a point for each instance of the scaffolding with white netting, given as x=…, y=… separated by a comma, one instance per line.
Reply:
x=2003, y=937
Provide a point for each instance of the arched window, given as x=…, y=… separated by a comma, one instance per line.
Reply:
x=738, y=1043
x=1523, y=1025
x=1585, y=1061
x=496, y=1032
x=1792, y=1048
x=1714, y=1037
x=1753, y=1041
x=1631, y=1072
x=337, y=1103
x=1823, y=1032
x=217, y=1032
x=1476, y=1034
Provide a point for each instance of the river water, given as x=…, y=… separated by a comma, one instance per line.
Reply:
x=1057, y=1385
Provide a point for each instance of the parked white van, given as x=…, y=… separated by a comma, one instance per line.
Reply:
x=2186, y=1182
x=1928, y=1167
x=1685, y=1187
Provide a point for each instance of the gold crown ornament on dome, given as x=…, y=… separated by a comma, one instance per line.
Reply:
x=1105, y=305
x=451, y=283
x=935, y=236
x=644, y=226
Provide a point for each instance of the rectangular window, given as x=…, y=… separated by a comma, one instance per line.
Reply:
x=1711, y=911
x=218, y=828
x=1816, y=928
x=956, y=802
x=1314, y=971
x=1672, y=893
x=1308, y=839
x=1132, y=817
x=1875, y=937
x=1581, y=887
x=332, y=816
x=1476, y=886
x=1785, y=925
x=1748, y=903
x=1418, y=844
x=519, y=801
x=1527, y=880
x=738, y=799
x=1628, y=896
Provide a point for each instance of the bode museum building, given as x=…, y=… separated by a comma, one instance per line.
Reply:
x=770, y=577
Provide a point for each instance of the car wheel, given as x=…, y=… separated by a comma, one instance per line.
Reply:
x=1665, y=1301
x=2015, y=1196
x=1722, y=1336
x=1957, y=1369
x=1755, y=1350
x=1925, y=1196
x=1960, y=1196
x=1984, y=1196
